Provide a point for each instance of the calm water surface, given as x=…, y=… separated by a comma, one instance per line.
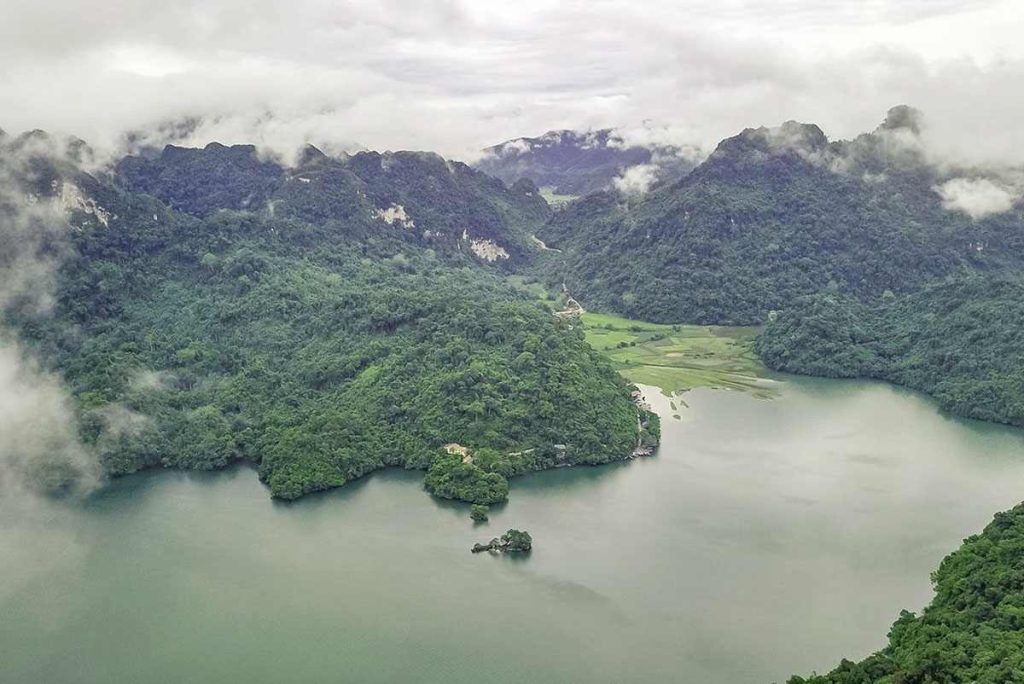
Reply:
x=765, y=538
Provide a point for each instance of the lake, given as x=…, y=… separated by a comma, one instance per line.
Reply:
x=766, y=538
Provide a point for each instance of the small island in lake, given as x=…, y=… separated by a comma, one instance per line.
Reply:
x=512, y=541
x=478, y=512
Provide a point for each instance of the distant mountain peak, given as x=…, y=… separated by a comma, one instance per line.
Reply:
x=903, y=117
x=585, y=140
x=35, y=136
x=791, y=136
x=777, y=213
x=39, y=145
x=310, y=154
x=808, y=136
x=580, y=162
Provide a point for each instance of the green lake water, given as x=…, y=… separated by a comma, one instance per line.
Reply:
x=767, y=537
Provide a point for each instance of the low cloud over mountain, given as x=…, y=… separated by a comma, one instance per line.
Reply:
x=454, y=76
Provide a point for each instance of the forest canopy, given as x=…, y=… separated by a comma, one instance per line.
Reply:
x=318, y=347
x=959, y=341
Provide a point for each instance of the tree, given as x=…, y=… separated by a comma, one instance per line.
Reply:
x=517, y=540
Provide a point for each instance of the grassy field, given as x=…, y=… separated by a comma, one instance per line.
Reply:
x=677, y=358
x=554, y=199
x=529, y=286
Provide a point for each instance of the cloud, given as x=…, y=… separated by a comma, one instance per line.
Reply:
x=40, y=454
x=515, y=147
x=44, y=465
x=455, y=76
x=38, y=536
x=977, y=197
x=39, y=445
x=636, y=180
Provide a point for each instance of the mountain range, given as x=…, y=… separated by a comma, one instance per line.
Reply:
x=341, y=277
x=345, y=313
x=208, y=306
x=774, y=214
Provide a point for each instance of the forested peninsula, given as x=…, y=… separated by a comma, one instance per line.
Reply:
x=319, y=322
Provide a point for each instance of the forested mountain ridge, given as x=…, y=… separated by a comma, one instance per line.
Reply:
x=960, y=341
x=423, y=198
x=324, y=276
x=318, y=349
x=574, y=163
x=203, y=181
x=775, y=214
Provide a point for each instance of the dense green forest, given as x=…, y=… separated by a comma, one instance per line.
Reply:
x=960, y=341
x=770, y=216
x=418, y=197
x=973, y=630
x=848, y=246
x=318, y=349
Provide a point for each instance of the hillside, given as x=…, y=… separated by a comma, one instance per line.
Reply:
x=775, y=214
x=959, y=341
x=421, y=198
x=971, y=632
x=570, y=163
x=259, y=319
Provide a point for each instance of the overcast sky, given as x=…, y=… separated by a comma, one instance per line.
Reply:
x=457, y=75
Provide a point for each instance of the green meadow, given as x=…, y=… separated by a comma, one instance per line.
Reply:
x=678, y=358
x=555, y=199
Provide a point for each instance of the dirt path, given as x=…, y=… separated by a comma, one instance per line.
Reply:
x=572, y=308
x=540, y=243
